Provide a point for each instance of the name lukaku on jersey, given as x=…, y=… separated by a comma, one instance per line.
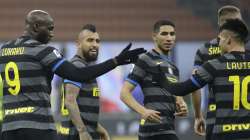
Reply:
x=238, y=65
x=12, y=51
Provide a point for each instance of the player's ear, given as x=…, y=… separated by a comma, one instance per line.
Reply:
x=229, y=41
x=154, y=36
x=78, y=42
x=35, y=27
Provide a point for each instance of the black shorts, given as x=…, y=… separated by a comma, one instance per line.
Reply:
x=29, y=134
x=160, y=137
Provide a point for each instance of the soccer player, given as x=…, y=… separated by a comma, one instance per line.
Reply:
x=209, y=51
x=27, y=66
x=158, y=112
x=228, y=77
x=82, y=99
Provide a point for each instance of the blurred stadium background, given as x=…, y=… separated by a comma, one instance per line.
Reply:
x=120, y=22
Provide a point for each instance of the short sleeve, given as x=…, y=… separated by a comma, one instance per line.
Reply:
x=198, y=61
x=79, y=65
x=203, y=75
x=50, y=58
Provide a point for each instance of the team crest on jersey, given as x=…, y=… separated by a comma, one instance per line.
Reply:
x=158, y=63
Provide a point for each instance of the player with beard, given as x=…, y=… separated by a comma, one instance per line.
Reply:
x=82, y=99
x=27, y=67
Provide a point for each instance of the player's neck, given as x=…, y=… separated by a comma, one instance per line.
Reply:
x=79, y=53
x=157, y=49
x=27, y=33
x=237, y=47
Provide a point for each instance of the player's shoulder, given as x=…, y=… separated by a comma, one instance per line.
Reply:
x=209, y=44
x=78, y=62
x=145, y=57
x=248, y=44
x=231, y=57
x=143, y=60
x=209, y=48
x=9, y=44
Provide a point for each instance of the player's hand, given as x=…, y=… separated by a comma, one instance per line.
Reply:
x=151, y=115
x=128, y=56
x=181, y=109
x=199, y=126
x=84, y=136
x=105, y=136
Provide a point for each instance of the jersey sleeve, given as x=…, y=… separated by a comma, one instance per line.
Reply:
x=77, y=84
x=203, y=75
x=137, y=73
x=50, y=58
x=199, y=58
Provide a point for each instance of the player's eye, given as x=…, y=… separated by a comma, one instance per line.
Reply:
x=51, y=28
x=90, y=39
x=172, y=33
x=164, y=33
x=168, y=33
x=98, y=40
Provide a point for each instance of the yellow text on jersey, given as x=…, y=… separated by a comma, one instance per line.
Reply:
x=19, y=110
x=214, y=50
x=238, y=65
x=12, y=51
x=236, y=127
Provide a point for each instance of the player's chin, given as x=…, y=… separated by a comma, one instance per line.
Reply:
x=167, y=49
x=92, y=57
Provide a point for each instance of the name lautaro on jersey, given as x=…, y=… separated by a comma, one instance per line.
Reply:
x=238, y=65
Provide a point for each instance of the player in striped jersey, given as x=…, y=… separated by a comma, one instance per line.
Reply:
x=82, y=99
x=157, y=114
x=228, y=77
x=27, y=67
x=210, y=51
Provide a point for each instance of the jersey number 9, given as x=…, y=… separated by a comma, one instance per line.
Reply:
x=12, y=81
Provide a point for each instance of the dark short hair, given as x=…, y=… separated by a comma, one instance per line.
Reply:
x=160, y=23
x=89, y=27
x=237, y=26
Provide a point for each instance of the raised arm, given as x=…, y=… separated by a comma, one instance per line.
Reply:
x=67, y=70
